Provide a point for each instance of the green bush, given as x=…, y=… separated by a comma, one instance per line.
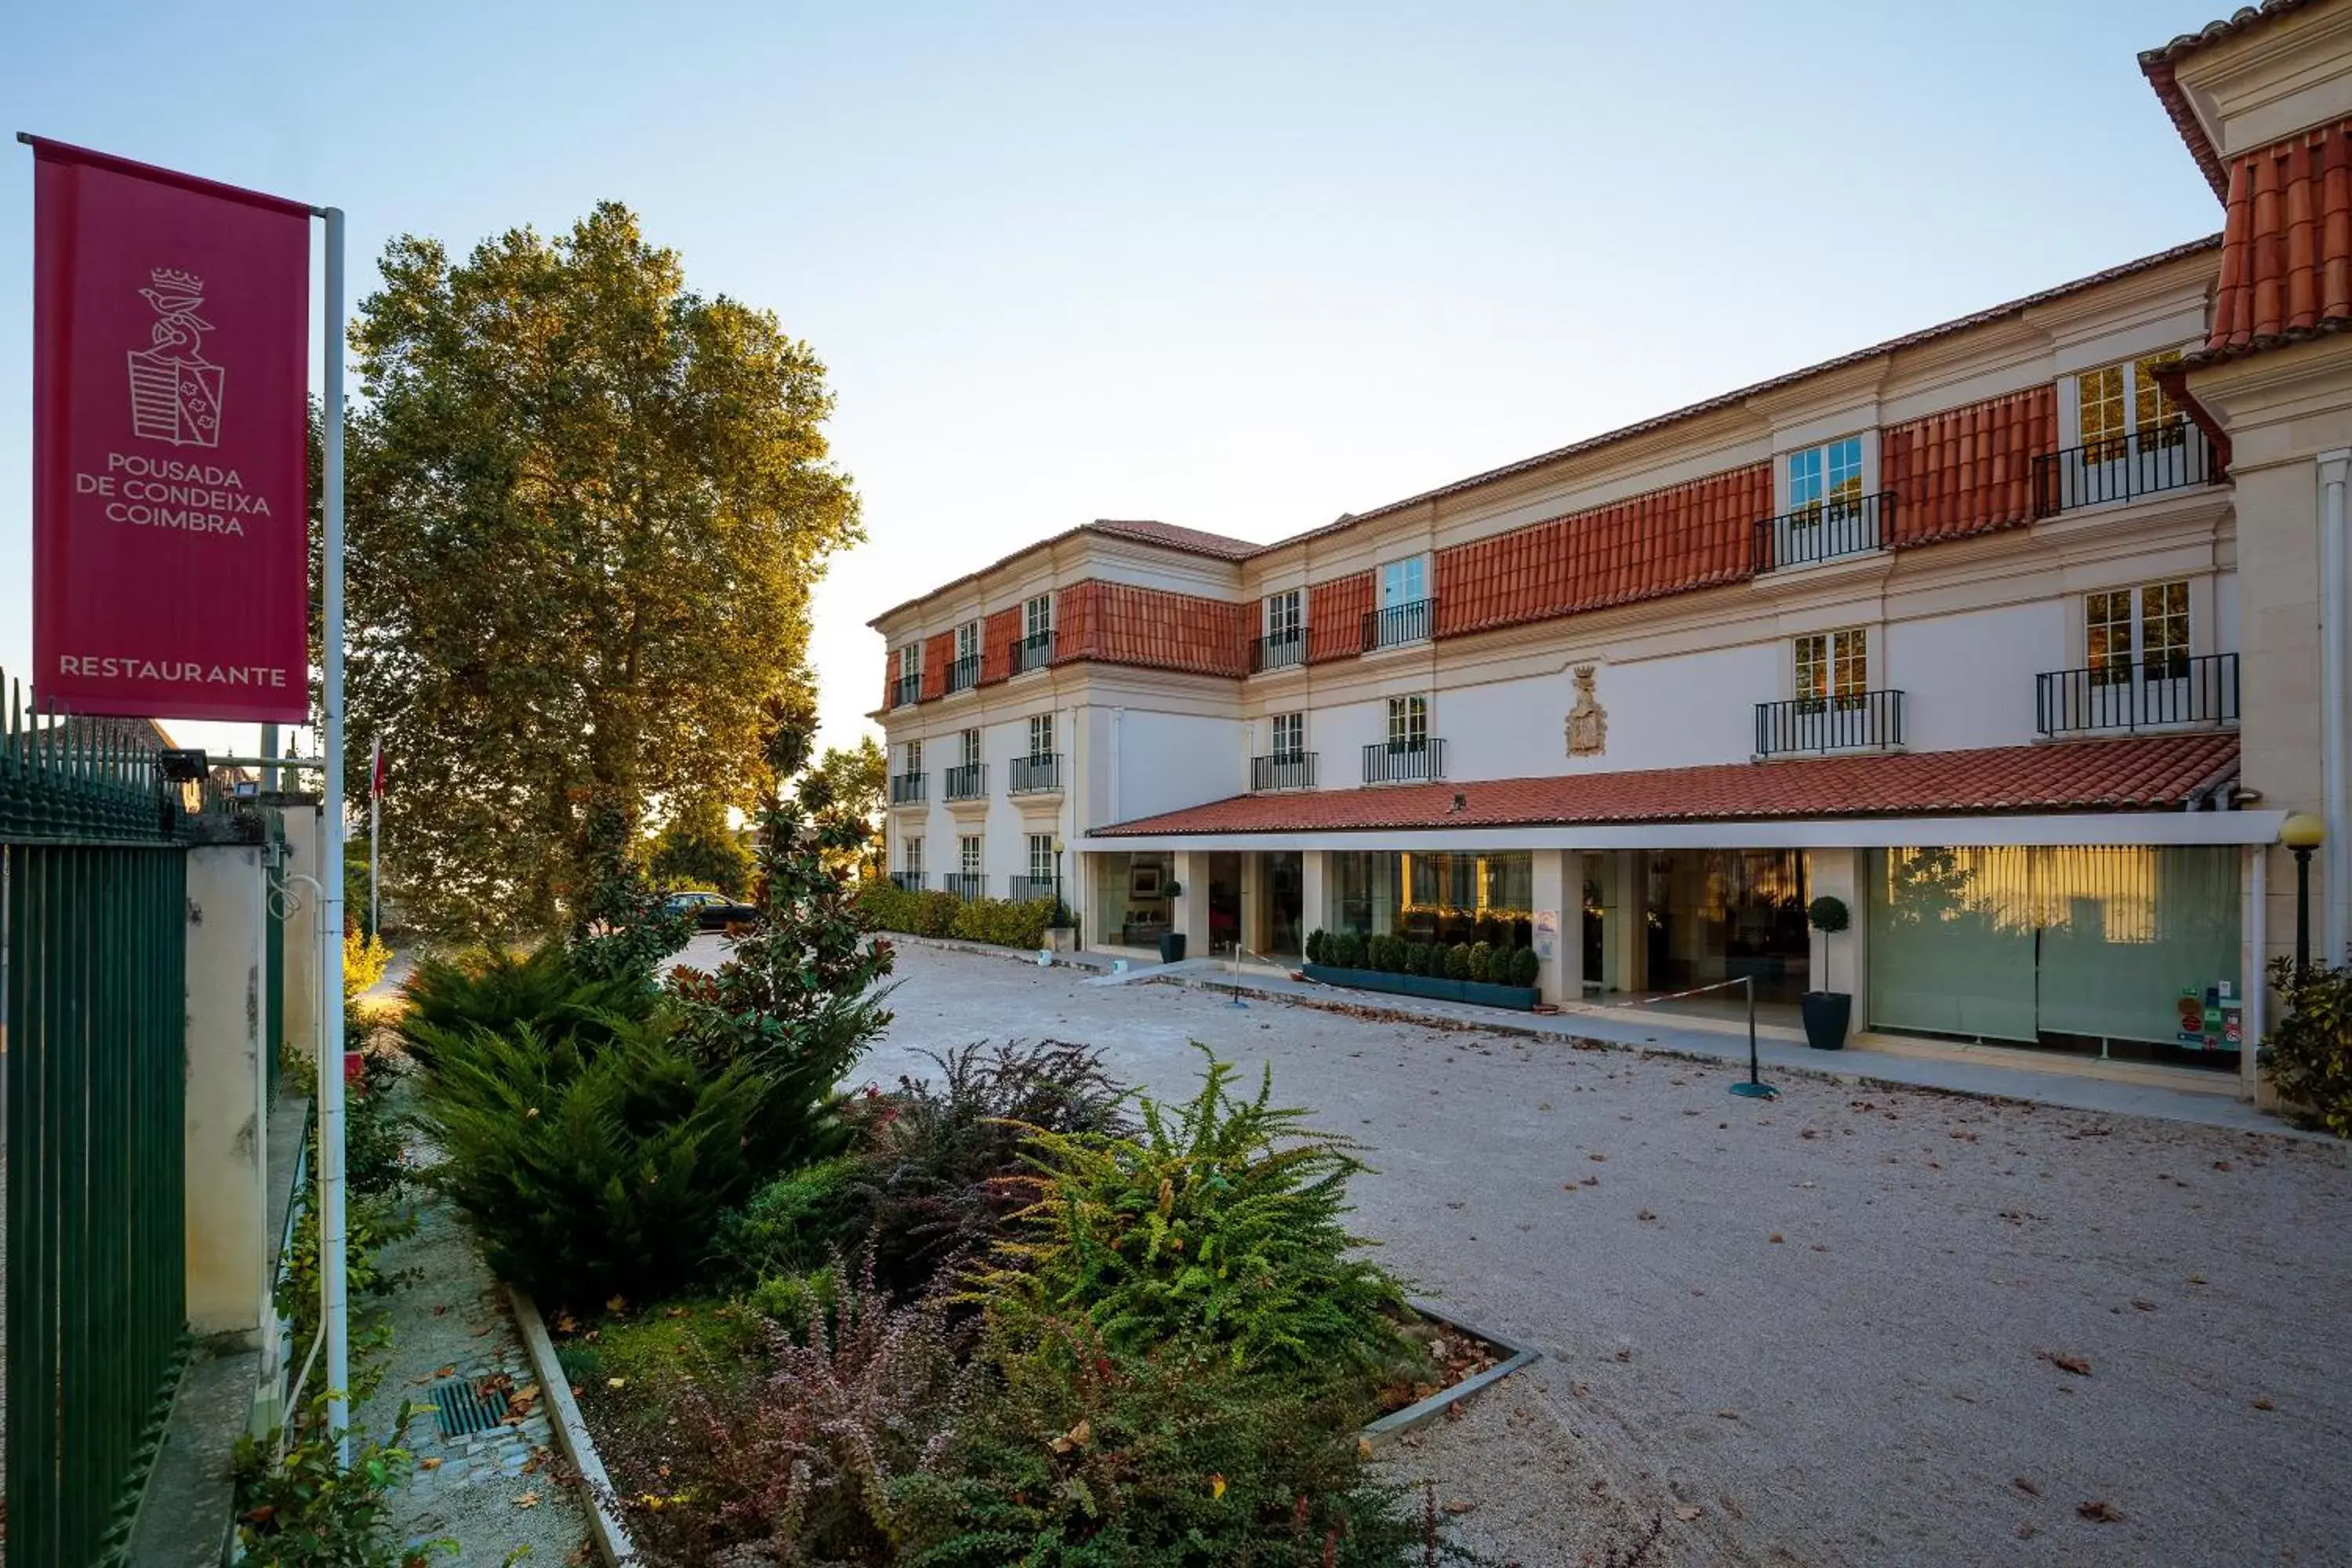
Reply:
x=589, y=1173
x=1000, y=921
x=1457, y=961
x=795, y=1223
x=1004, y=922
x=2307, y=1054
x=1482, y=961
x=1526, y=967
x=501, y=990
x=1316, y=946
x=1219, y=1220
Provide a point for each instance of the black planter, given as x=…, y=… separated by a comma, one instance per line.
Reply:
x=1172, y=947
x=1827, y=1015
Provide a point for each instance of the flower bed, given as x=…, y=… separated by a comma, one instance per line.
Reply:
x=1484, y=994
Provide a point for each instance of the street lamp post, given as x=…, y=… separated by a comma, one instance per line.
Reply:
x=1058, y=877
x=2301, y=833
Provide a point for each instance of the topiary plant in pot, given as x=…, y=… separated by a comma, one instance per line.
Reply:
x=1828, y=1013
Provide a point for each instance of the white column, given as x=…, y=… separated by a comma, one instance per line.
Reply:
x=1623, y=955
x=1559, y=894
x=1842, y=961
x=1253, y=901
x=298, y=917
x=1189, y=911
x=226, y=1117
x=2335, y=653
x=1314, y=908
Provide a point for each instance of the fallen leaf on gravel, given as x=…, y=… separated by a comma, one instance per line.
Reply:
x=2143, y=1306
x=1580, y=1389
x=1646, y=1213
x=1625, y=1356
x=428, y=1464
x=446, y=1372
x=2222, y=1165
x=440, y=1307
x=527, y=1500
x=2261, y=1402
x=2072, y=1363
x=1363, y=1448
x=1687, y=1513
x=2027, y=1487
x=2197, y=1280
x=1726, y=1415
x=2099, y=1512
x=1596, y=1156
x=1458, y=1506
x=1774, y=1236
x=1821, y=1247
x=1591, y=1181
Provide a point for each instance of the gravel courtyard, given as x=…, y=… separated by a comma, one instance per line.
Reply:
x=1843, y=1328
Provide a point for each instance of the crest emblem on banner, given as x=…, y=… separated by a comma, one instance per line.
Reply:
x=175, y=392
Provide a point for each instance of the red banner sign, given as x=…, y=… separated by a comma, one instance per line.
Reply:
x=171, y=491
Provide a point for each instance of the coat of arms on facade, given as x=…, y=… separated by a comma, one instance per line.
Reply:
x=1588, y=721
x=175, y=392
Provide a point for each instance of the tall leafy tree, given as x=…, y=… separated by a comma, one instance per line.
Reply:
x=696, y=848
x=856, y=779
x=587, y=507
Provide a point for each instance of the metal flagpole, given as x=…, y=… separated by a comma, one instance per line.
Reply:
x=332, y=1238
x=376, y=835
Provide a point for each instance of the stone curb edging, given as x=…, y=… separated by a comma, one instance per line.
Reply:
x=1396, y=1423
x=985, y=950
x=610, y=1536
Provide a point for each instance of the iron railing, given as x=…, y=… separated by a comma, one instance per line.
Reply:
x=1399, y=624
x=908, y=691
x=1281, y=650
x=1038, y=775
x=965, y=673
x=908, y=789
x=2170, y=456
x=1034, y=651
x=1283, y=770
x=965, y=884
x=1034, y=889
x=93, y=904
x=1405, y=761
x=967, y=783
x=1852, y=721
x=1824, y=530
x=906, y=881
x=2156, y=691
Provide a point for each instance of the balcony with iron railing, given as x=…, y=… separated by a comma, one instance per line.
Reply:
x=1399, y=625
x=908, y=789
x=908, y=691
x=1034, y=651
x=1405, y=761
x=965, y=673
x=1282, y=770
x=1278, y=650
x=967, y=783
x=906, y=881
x=1850, y=722
x=1034, y=889
x=1040, y=773
x=1825, y=530
x=965, y=884
x=2173, y=456
x=2156, y=691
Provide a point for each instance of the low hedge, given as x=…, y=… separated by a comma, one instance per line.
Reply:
x=1001, y=922
x=1480, y=961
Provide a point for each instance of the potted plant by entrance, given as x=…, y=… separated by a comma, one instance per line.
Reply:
x=1827, y=1013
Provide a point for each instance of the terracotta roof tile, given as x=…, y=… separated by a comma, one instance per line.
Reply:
x=1190, y=539
x=1118, y=622
x=2138, y=774
x=2286, y=255
x=1966, y=470
x=2159, y=65
x=997, y=636
x=1335, y=617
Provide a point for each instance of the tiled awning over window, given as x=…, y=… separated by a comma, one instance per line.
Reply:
x=2137, y=773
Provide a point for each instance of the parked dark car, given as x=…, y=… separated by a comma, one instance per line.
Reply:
x=712, y=911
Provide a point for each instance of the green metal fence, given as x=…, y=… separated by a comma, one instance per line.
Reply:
x=93, y=882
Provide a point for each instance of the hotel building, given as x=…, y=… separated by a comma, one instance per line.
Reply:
x=2021, y=633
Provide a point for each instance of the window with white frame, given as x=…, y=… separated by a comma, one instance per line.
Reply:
x=910, y=854
x=914, y=760
x=1833, y=665
x=1826, y=480
x=1037, y=615
x=2117, y=403
x=910, y=660
x=1284, y=614
x=1290, y=735
x=1041, y=734
x=967, y=643
x=970, y=741
x=2142, y=630
x=967, y=853
x=1041, y=858
x=1408, y=723
x=1404, y=582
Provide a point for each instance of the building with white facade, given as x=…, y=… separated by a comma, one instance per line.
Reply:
x=2021, y=633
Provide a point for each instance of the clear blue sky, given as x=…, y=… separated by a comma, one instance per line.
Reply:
x=1238, y=266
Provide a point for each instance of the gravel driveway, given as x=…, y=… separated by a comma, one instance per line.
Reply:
x=1844, y=1327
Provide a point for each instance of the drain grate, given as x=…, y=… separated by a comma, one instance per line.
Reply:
x=462, y=1409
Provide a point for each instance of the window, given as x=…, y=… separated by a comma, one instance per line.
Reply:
x=971, y=748
x=1283, y=616
x=1833, y=664
x=1404, y=582
x=1041, y=857
x=1408, y=723
x=1290, y=735
x=915, y=761
x=2120, y=400
x=2151, y=620
x=1826, y=479
x=967, y=854
x=1041, y=735
x=967, y=644
x=1037, y=615
x=913, y=855
x=910, y=661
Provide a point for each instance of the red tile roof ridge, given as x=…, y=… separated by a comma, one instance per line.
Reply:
x=1142, y=530
x=2158, y=65
x=2141, y=772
